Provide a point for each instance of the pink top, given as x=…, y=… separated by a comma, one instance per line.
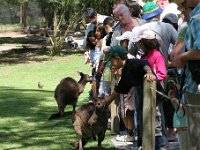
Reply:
x=157, y=63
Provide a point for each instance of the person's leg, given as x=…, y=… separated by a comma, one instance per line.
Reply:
x=193, y=113
x=164, y=131
x=130, y=122
x=168, y=115
x=138, y=106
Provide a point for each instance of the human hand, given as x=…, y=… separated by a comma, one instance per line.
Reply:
x=175, y=102
x=150, y=77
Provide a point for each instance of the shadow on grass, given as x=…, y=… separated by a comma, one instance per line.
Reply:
x=22, y=40
x=24, y=122
x=32, y=47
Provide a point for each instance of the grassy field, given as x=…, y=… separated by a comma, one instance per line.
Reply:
x=24, y=108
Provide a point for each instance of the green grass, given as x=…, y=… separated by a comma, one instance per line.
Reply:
x=24, y=109
x=10, y=27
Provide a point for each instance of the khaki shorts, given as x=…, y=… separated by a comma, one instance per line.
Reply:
x=127, y=102
x=193, y=114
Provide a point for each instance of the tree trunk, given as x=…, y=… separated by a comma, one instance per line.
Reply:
x=24, y=8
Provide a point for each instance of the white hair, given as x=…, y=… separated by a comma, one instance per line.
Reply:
x=121, y=6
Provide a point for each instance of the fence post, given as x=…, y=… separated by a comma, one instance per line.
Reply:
x=114, y=109
x=149, y=110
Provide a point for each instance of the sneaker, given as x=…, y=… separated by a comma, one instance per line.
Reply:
x=125, y=138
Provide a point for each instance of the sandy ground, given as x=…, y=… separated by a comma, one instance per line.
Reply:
x=5, y=47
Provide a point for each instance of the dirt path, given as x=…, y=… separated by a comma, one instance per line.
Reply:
x=12, y=35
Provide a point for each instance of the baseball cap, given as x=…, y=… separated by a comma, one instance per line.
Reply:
x=171, y=17
x=117, y=51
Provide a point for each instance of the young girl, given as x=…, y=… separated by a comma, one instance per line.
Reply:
x=150, y=46
x=99, y=34
x=90, y=44
x=104, y=68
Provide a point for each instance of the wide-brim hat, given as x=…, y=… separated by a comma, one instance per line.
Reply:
x=145, y=34
x=151, y=9
x=125, y=36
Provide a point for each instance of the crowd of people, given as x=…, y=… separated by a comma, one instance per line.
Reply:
x=136, y=43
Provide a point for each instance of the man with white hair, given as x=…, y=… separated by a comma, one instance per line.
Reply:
x=126, y=22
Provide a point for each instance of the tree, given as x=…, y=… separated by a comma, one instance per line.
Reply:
x=59, y=9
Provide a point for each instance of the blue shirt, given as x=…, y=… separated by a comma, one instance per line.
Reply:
x=192, y=43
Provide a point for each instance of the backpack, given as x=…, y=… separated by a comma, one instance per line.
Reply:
x=194, y=67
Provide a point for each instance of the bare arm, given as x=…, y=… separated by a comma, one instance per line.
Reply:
x=109, y=99
x=181, y=60
x=177, y=50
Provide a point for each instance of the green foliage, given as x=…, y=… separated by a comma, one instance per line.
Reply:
x=103, y=7
x=10, y=28
x=14, y=2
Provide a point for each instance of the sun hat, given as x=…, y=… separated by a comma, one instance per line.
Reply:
x=171, y=17
x=151, y=9
x=145, y=34
x=126, y=35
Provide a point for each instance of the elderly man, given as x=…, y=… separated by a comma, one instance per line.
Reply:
x=126, y=22
x=190, y=88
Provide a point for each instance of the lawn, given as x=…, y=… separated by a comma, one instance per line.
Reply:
x=24, y=108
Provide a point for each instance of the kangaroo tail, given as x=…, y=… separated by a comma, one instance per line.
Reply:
x=54, y=116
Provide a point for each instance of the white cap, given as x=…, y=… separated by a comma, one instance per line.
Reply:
x=126, y=35
x=145, y=34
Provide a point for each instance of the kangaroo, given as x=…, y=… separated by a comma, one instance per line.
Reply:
x=67, y=93
x=90, y=120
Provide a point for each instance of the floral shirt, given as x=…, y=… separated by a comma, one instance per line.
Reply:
x=192, y=43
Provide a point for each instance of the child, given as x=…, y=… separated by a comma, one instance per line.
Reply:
x=100, y=33
x=90, y=44
x=150, y=46
x=104, y=68
x=127, y=101
x=125, y=41
x=132, y=73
